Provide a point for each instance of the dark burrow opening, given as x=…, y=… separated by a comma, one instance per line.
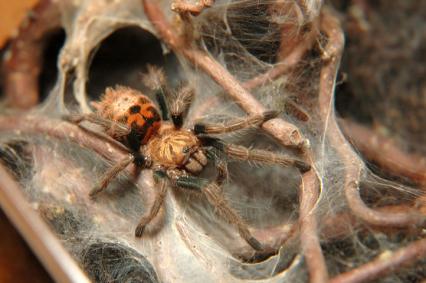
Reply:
x=122, y=58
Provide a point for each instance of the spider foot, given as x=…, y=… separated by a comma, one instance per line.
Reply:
x=139, y=230
x=302, y=166
x=263, y=254
x=255, y=244
x=94, y=191
x=268, y=115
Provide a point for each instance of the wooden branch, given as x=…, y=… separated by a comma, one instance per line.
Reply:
x=352, y=163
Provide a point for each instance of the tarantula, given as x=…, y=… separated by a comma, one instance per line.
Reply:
x=172, y=152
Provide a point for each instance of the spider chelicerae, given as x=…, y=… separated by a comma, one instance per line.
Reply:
x=175, y=154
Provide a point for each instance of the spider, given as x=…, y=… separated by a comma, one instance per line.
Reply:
x=175, y=154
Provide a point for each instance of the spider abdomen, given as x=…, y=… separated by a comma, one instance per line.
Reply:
x=132, y=108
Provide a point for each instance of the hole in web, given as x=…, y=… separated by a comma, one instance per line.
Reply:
x=122, y=57
x=49, y=73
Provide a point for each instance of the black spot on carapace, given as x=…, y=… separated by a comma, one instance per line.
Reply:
x=135, y=109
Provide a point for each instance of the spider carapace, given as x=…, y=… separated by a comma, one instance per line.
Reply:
x=175, y=154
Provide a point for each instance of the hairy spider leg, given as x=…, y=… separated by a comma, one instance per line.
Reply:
x=220, y=164
x=155, y=80
x=180, y=104
x=235, y=124
x=111, y=174
x=138, y=159
x=155, y=208
x=242, y=153
x=112, y=128
x=162, y=103
x=214, y=195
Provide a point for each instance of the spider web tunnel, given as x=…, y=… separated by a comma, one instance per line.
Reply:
x=122, y=57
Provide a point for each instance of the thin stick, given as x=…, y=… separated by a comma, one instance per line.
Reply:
x=353, y=165
x=384, y=264
x=286, y=133
x=343, y=225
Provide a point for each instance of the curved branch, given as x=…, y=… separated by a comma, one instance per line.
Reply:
x=352, y=164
